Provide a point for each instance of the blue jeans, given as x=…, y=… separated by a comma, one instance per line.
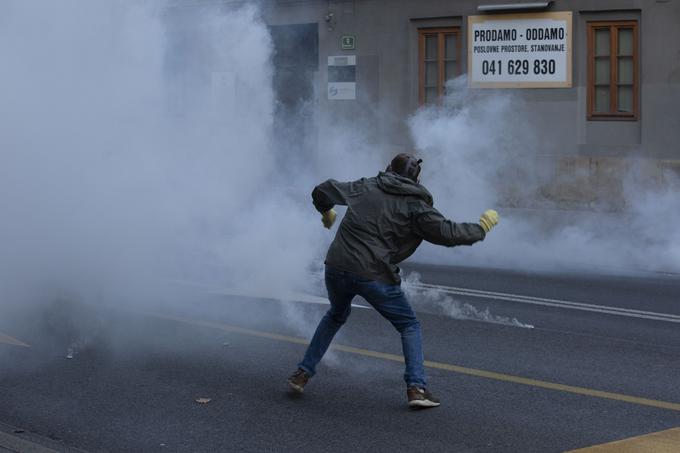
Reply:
x=388, y=300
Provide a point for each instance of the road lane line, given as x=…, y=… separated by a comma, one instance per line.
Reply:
x=6, y=339
x=531, y=300
x=667, y=441
x=628, y=312
x=547, y=302
x=540, y=299
x=431, y=364
x=282, y=297
x=17, y=444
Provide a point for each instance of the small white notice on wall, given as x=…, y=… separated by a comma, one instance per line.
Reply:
x=520, y=50
x=342, y=77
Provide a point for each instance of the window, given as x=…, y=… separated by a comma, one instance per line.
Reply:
x=612, y=70
x=438, y=61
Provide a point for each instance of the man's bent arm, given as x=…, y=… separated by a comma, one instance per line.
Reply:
x=330, y=193
x=435, y=228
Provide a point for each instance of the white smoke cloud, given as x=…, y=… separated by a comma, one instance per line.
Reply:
x=480, y=152
x=137, y=148
x=436, y=300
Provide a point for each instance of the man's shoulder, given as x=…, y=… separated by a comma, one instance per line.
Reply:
x=368, y=181
x=417, y=205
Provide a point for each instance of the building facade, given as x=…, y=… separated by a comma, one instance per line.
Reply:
x=615, y=108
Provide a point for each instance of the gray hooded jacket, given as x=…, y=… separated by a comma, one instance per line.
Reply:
x=387, y=218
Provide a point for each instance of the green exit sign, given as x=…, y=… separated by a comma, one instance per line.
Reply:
x=348, y=42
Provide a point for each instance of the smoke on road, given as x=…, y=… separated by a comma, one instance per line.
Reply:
x=435, y=299
x=138, y=146
x=132, y=157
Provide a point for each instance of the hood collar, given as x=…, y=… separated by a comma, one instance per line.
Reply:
x=392, y=183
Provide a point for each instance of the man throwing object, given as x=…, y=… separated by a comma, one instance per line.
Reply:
x=388, y=216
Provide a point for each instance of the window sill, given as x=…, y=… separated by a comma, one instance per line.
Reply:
x=612, y=118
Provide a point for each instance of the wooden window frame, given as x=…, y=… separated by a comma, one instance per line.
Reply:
x=613, y=27
x=441, y=33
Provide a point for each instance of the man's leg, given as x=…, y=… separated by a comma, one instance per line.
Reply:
x=391, y=302
x=340, y=296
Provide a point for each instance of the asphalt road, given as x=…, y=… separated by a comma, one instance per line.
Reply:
x=522, y=363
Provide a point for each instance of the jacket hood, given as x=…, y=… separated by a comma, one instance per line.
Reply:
x=394, y=184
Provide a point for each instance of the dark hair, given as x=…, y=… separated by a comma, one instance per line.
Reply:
x=405, y=165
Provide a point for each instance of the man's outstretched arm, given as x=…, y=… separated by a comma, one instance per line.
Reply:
x=435, y=228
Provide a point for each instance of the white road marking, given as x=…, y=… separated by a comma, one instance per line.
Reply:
x=263, y=294
x=551, y=302
x=6, y=339
x=12, y=443
x=531, y=300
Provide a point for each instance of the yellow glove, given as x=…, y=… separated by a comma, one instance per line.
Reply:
x=488, y=220
x=328, y=218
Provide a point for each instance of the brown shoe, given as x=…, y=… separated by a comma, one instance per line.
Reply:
x=298, y=380
x=420, y=397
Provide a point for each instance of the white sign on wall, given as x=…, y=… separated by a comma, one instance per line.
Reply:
x=520, y=50
x=342, y=78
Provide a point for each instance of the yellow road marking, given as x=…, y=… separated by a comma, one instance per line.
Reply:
x=661, y=442
x=6, y=339
x=437, y=365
